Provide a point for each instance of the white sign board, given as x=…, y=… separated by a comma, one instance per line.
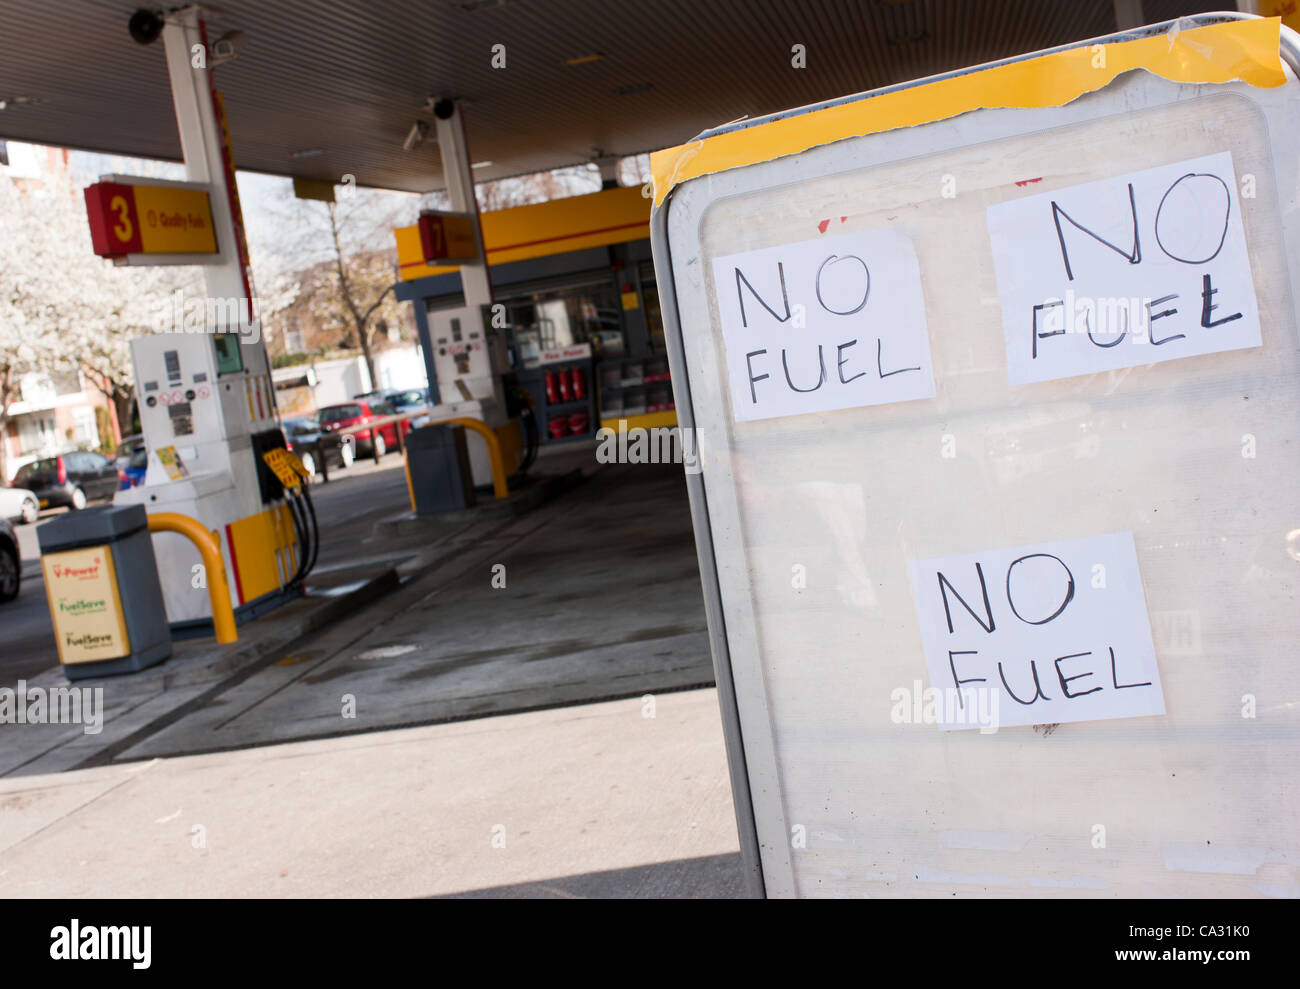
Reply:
x=1038, y=634
x=1161, y=492
x=833, y=323
x=1141, y=268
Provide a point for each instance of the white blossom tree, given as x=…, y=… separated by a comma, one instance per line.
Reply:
x=62, y=308
x=34, y=311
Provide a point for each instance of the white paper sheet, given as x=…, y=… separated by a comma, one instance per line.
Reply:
x=1070, y=612
x=832, y=323
x=1138, y=269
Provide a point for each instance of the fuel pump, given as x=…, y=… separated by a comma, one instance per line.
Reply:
x=472, y=367
x=207, y=412
x=207, y=406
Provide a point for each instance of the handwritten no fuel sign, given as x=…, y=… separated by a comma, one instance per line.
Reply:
x=1137, y=269
x=1134, y=270
x=833, y=323
x=1055, y=632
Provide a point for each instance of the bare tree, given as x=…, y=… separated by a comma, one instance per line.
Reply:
x=62, y=309
x=290, y=237
x=364, y=282
x=354, y=236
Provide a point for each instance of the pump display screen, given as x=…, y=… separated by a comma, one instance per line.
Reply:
x=229, y=359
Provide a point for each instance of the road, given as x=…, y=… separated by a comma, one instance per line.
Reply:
x=346, y=507
x=28, y=634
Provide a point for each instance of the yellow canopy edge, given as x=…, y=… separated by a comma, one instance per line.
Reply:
x=1245, y=50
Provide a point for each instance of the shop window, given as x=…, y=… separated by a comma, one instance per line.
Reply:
x=563, y=316
x=650, y=304
x=653, y=316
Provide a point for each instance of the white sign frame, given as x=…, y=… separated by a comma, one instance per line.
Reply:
x=771, y=838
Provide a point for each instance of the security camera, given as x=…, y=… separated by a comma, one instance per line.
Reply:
x=444, y=109
x=145, y=25
x=227, y=47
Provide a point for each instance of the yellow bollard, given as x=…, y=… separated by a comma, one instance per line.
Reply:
x=209, y=547
x=499, y=486
x=410, y=488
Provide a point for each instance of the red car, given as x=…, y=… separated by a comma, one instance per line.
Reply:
x=358, y=412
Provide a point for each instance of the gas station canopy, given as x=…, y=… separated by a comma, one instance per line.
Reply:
x=323, y=88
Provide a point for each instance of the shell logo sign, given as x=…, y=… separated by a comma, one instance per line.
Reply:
x=149, y=219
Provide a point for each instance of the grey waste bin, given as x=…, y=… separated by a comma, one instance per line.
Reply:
x=101, y=581
x=438, y=461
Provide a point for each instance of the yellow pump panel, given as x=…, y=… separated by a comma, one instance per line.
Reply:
x=261, y=552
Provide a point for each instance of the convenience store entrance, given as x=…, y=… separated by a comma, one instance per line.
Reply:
x=585, y=335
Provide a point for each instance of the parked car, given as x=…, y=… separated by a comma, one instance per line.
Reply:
x=72, y=479
x=132, y=472
x=11, y=563
x=18, y=505
x=335, y=417
x=305, y=437
x=409, y=399
x=127, y=447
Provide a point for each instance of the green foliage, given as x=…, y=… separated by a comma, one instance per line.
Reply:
x=104, y=426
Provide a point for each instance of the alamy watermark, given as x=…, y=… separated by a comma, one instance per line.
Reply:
x=91, y=942
x=969, y=707
x=649, y=445
x=1110, y=320
x=53, y=706
x=179, y=313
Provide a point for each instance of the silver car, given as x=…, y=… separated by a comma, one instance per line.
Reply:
x=19, y=505
x=11, y=563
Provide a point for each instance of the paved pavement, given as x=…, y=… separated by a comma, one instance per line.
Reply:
x=345, y=506
x=298, y=765
x=594, y=595
x=25, y=626
x=97, y=719
x=570, y=603
x=590, y=801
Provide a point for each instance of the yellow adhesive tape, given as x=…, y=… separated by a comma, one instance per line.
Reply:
x=1244, y=50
